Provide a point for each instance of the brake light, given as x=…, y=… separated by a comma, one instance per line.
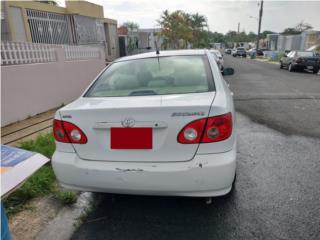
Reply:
x=67, y=132
x=207, y=130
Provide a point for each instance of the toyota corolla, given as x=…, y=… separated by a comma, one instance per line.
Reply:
x=155, y=124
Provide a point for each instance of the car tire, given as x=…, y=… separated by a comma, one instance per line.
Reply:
x=281, y=66
x=315, y=70
x=290, y=68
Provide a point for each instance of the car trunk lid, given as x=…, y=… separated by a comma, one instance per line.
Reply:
x=163, y=115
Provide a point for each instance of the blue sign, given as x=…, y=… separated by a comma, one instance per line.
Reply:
x=12, y=156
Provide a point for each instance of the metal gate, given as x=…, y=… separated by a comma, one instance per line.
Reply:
x=47, y=27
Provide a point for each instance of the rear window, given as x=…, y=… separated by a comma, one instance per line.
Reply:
x=305, y=54
x=241, y=49
x=154, y=76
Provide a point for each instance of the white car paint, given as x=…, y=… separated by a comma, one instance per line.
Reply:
x=169, y=168
x=219, y=58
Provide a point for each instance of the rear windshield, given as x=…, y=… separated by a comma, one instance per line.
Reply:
x=154, y=76
x=305, y=54
x=241, y=49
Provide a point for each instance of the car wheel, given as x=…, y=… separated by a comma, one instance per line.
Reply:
x=281, y=66
x=315, y=70
x=290, y=68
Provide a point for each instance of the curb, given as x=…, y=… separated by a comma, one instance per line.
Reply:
x=67, y=220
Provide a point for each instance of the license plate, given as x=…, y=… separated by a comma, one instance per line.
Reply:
x=131, y=138
x=310, y=67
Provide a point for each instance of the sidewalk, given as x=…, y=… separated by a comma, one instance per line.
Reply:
x=27, y=129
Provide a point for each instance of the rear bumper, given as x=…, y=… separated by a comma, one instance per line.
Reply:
x=306, y=65
x=206, y=175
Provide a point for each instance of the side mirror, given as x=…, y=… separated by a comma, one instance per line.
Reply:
x=228, y=71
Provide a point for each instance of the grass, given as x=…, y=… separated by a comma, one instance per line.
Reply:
x=41, y=183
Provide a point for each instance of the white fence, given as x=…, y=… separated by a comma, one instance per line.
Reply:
x=81, y=52
x=24, y=53
x=29, y=89
x=13, y=53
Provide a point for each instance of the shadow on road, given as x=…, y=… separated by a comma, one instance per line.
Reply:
x=145, y=217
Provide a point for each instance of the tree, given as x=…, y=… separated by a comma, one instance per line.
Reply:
x=302, y=26
x=180, y=29
x=251, y=37
x=197, y=23
x=176, y=29
x=299, y=28
x=132, y=26
x=290, y=31
x=216, y=37
x=264, y=34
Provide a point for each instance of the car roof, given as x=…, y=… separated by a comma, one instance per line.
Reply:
x=164, y=53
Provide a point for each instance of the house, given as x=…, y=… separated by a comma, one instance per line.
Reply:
x=303, y=41
x=139, y=40
x=79, y=23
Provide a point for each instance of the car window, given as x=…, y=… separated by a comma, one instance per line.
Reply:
x=242, y=49
x=305, y=54
x=152, y=76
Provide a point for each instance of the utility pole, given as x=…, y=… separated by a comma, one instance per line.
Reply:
x=259, y=26
x=238, y=27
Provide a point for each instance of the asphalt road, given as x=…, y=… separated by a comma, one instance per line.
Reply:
x=277, y=190
x=288, y=102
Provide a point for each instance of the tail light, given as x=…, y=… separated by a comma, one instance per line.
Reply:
x=207, y=130
x=67, y=132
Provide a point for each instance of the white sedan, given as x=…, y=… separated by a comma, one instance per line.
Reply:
x=154, y=124
x=218, y=57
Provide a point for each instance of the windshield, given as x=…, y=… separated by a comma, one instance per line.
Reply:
x=153, y=76
x=241, y=49
x=305, y=54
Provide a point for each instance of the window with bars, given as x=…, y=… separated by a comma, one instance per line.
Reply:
x=47, y=27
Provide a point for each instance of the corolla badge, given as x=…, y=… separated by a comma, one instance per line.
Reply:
x=128, y=122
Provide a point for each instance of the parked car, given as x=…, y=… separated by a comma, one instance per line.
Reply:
x=239, y=52
x=251, y=52
x=259, y=52
x=154, y=124
x=300, y=60
x=228, y=51
x=218, y=57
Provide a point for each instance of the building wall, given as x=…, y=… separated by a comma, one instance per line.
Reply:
x=301, y=41
x=79, y=9
x=29, y=89
x=23, y=5
x=84, y=8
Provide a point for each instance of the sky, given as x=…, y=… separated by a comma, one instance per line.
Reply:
x=222, y=16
